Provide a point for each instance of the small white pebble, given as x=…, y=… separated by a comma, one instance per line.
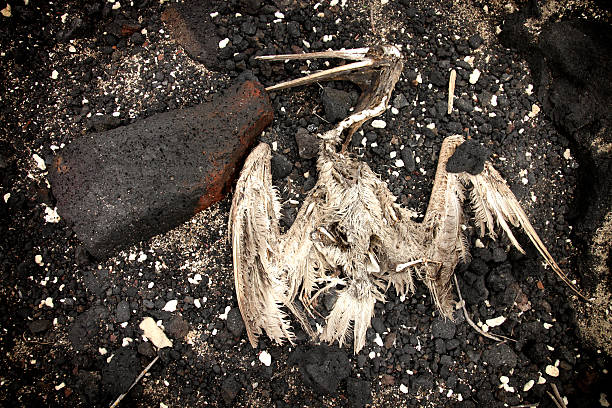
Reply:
x=529, y=89
x=474, y=76
x=394, y=110
x=567, y=154
x=6, y=197
x=603, y=400
x=419, y=79
x=507, y=388
x=399, y=163
x=541, y=380
x=223, y=316
x=150, y=285
x=38, y=260
x=126, y=341
x=547, y=325
x=102, y=351
x=142, y=258
x=71, y=49
x=49, y=302
x=223, y=43
x=403, y=389
x=552, y=370
x=215, y=14
x=170, y=306
x=535, y=109
x=51, y=215
x=274, y=146
x=378, y=340
x=393, y=154
x=372, y=355
x=379, y=124
x=497, y=321
x=54, y=74
x=6, y=12
x=162, y=405
x=60, y=386
x=528, y=385
x=116, y=6
x=278, y=14
x=504, y=379
x=40, y=163
x=265, y=358
x=494, y=100
x=197, y=303
x=197, y=278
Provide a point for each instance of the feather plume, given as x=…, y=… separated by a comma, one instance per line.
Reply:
x=351, y=234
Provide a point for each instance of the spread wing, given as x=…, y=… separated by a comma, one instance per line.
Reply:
x=494, y=203
x=253, y=225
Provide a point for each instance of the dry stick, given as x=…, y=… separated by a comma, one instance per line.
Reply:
x=498, y=338
x=451, y=91
x=556, y=391
x=142, y=374
x=555, y=401
x=557, y=397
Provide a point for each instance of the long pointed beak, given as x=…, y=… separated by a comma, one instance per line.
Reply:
x=356, y=54
x=325, y=75
x=367, y=59
x=375, y=70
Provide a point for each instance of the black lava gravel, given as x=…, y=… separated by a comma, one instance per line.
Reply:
x=69, y=324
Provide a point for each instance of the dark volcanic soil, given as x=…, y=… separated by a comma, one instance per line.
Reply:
x=69, y=331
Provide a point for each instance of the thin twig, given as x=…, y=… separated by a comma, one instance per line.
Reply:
x=142, y=374
x=555, y=400
x=556, y=397
x=451, y=91
x=498, y=338
x=318, y=116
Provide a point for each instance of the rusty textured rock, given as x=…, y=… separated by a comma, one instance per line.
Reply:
x=192, y=26
x=130, y=183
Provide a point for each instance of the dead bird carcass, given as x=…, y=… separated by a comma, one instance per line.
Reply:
x=350, y=234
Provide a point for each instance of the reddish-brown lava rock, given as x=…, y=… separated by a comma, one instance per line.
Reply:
x=192, y=26
x=127, y=184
